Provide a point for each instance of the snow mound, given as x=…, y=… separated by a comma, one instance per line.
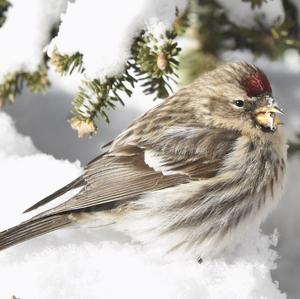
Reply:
x=88, y=263
x=106, y=35
x=12, y=143
x=113, y=270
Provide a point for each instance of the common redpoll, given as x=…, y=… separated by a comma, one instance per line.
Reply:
x=191, y=174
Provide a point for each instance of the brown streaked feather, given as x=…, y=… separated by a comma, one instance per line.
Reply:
x=198, y=155
x=78, y=182
x=115, y=178
x=107, y=144
x=122, y=174
x=31, y=229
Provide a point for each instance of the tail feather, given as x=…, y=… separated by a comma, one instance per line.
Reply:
x=79, y=182
x=31, y=229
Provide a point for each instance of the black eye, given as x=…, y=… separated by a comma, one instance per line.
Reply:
x=239, y=103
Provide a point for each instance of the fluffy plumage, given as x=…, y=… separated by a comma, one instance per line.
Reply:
x=190, y=174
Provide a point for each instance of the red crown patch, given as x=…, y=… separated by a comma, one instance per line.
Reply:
x=255, y=84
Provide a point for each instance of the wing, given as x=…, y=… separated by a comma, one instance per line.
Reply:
x=137, y=167
x=130, y=170
x=162, y=148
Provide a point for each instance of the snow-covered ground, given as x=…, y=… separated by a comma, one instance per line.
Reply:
x=91, y=263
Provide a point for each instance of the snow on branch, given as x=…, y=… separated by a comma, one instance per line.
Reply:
x=23, y=36
x=113, y=44
x=114, y=50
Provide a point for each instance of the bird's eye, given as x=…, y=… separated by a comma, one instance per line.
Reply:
x=239, y=103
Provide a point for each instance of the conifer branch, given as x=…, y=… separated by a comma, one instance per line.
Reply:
x=13, y=83
x=256, y=3
x=4, y=5
x=95, y=99
x=215, y=37
x=294, y=146
x=271, y=41
x=153, y=63
x=65, y=64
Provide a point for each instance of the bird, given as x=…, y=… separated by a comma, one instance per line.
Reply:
x=190, y=175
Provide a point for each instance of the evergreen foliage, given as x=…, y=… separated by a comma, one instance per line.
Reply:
x=294, y=146
x=223, y=35
x=4, y=5
x=14, y=83
x=65, y=65
x=152, y=63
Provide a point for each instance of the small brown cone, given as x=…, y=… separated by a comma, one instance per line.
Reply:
x=84, y=128
x=162, y=62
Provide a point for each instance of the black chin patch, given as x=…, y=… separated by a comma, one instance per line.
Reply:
x=267, y=129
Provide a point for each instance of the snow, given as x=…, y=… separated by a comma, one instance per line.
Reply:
x=25, y=34
x=19, y=159
x=292, y=60
x=13, y=143
x=243, y=15
x=89, y=263
x=106, y=35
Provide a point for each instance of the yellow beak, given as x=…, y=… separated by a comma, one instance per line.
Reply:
x=267, y=117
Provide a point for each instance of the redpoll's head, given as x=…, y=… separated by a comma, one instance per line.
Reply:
x=238, y=95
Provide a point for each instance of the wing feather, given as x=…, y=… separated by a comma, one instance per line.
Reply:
x=122, y=174
x=121, y=180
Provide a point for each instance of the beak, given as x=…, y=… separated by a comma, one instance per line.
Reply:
x=276, y=109
x=266, y=115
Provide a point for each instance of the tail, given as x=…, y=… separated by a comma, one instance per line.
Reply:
x=79, y=182
x=31, y=229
